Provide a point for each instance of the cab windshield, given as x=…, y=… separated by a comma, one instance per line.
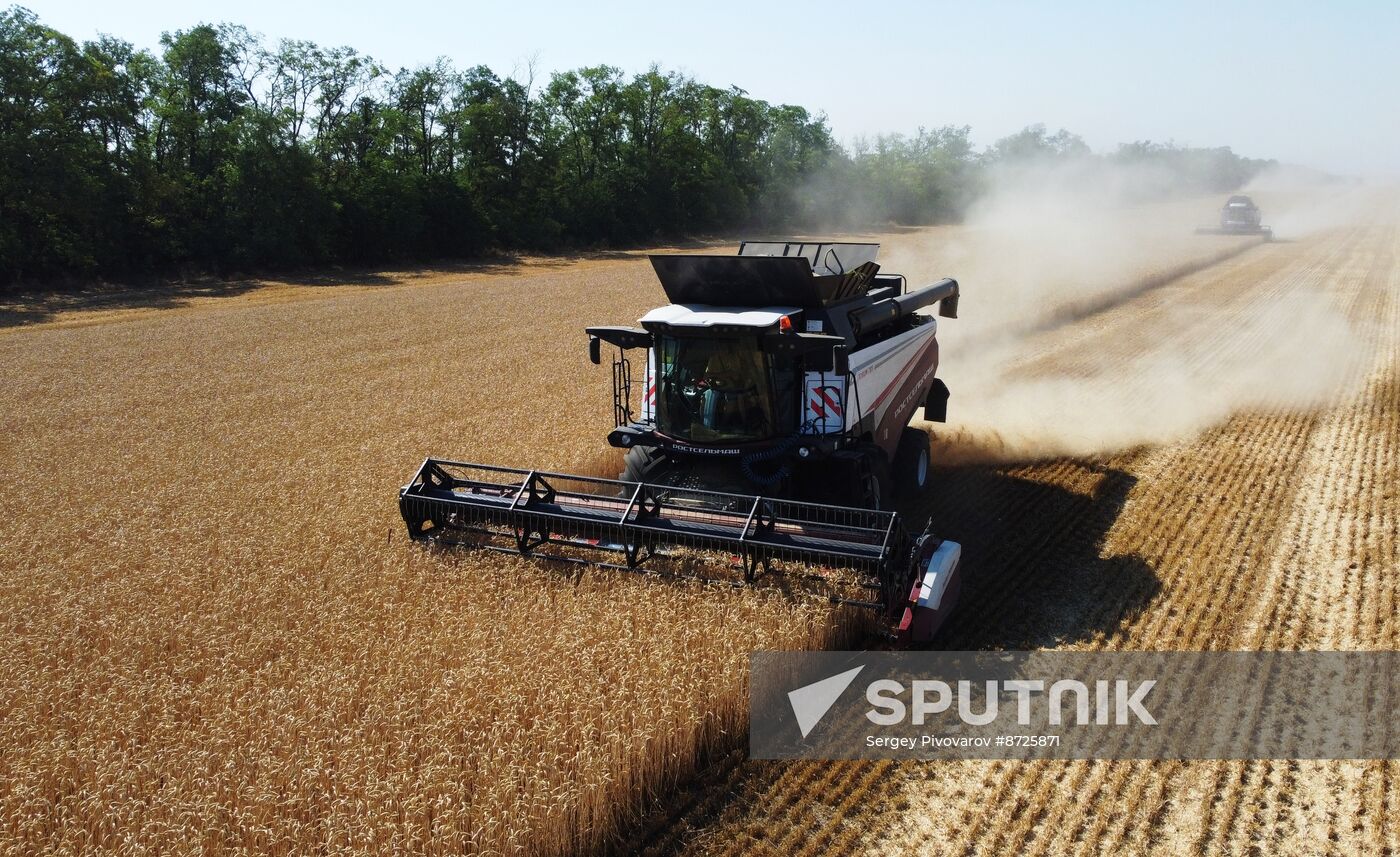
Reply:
x=714, y=389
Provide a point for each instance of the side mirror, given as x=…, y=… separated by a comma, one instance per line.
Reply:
x=595, y=350
x=840, y=361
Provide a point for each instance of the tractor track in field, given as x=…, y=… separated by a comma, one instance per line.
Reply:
x=1283, y=433
x=1148, y=786
x=1268, y=532
x=1253, y=799
x=1070, y=317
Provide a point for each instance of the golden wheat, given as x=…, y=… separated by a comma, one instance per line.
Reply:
x=217, y=634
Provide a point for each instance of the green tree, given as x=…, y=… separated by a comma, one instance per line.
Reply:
x=225, y=153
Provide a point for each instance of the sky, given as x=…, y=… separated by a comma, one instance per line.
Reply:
x=1316, y=84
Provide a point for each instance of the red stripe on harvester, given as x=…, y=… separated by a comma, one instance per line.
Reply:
x=875, y=406
x=831, y=402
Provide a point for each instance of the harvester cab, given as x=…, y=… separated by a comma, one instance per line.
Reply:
x=791, y=369
x=766, y=416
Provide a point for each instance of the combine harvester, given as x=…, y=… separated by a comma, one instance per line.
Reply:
x=773, y=426
x=1239, y=216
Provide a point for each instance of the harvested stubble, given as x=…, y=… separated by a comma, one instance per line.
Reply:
x=1274, y=530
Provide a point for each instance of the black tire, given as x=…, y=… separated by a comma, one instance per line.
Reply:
x=912, y=463
x=642, y=464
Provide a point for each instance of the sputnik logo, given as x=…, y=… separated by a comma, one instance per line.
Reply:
x=811, y=702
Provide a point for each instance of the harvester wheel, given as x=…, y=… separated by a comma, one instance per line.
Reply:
x=642, y=464
x=911, y=463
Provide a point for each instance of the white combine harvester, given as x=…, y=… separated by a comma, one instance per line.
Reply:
x=1239, y=216
x=771, y=424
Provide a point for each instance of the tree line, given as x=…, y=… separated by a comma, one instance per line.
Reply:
x=222, y=152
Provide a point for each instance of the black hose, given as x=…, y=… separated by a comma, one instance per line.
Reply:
x=776, y=451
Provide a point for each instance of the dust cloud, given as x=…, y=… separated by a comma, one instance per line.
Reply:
x=1093, y=322
x=1304, y=202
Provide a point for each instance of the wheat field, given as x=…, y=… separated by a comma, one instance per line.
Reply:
x=220, y=639
x=219, y=636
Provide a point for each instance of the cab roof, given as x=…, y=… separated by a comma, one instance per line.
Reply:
x=704, y=315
